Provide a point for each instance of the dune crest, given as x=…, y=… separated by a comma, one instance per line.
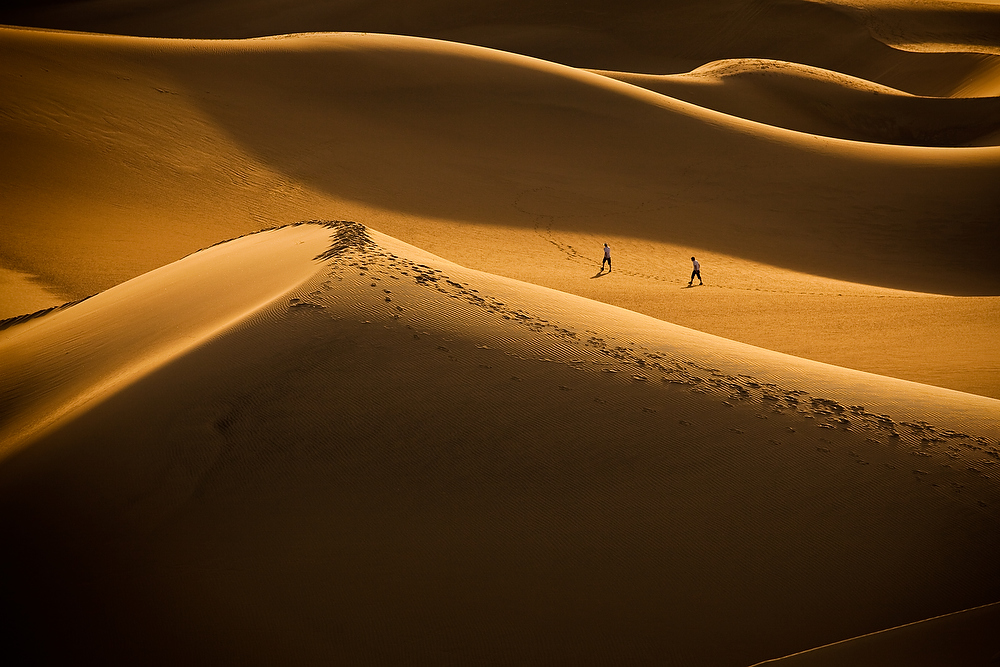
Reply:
x=67, y=360
x=632, y=35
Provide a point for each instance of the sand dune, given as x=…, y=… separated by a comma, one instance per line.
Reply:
x=521, y=139
x=439, y=434
x=81, y=354
x=930, y=25
x=171, y=146
x=653, y=37
x=827, y=103
x=405, y=460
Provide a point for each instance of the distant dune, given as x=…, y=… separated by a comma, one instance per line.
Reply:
x=648, y=36
x=829, y=104
x=404, y=415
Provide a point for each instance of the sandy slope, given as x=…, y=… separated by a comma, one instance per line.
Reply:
x=830, y=104
x=402, y=460
x=930, y=25
x=61, y=363
x=319, y=445
x=506, y=164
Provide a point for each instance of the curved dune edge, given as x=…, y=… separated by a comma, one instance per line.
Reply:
x=403, y=443
x=715, y=354
x=929, y=26
x=937, y=26
x=635, y=35
x=960, y=638
x=67, y=360
x=815, y=101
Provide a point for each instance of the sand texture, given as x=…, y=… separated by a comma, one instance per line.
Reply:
x=307, y=355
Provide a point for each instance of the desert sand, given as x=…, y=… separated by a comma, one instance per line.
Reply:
x=308, y=358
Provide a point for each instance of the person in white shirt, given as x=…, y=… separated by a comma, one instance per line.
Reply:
x=607, y=258
x=696, y=272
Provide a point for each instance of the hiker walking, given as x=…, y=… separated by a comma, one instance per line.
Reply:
x=696, y=272
x=607, y=258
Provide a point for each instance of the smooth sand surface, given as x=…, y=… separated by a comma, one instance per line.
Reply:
x=440, y=434
x=73, y=357
x=829, y=104
x=402, y=460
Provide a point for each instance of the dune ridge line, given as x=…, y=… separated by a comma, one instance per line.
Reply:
x=876, y=633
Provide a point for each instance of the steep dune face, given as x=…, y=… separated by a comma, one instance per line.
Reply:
x=402, y=460
x=827, y=103
x=634, y=35
x=59, y=364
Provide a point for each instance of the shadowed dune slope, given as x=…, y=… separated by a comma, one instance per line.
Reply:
x=929, y=25
x=648, y=36
x=403, y=460
x=954, y=639
x=827, y=103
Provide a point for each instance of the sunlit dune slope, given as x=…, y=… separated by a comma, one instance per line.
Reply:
x=107, y=174
x=82, y=353
x=125, y=154
x=444, y=130
x=650, y=36
x=448, y=131
x=403, y=460
x=827, y=103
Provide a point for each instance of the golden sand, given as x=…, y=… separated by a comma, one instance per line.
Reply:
x=426, y=426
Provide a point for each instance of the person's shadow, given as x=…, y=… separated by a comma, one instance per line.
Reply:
x=599, y=274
